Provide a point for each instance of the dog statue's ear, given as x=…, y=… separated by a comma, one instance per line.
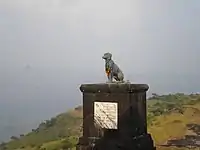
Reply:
x=110, y=55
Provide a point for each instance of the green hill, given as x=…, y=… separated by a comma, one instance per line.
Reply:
x=173, y=121
x=59, y=132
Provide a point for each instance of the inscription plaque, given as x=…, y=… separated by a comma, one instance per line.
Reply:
x=106, y=114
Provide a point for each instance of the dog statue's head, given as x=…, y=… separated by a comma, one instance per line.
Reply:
x=107, y=56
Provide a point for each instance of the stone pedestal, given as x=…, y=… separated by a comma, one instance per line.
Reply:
x=125, y=128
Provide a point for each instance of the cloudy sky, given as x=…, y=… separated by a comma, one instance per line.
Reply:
x=49, y=47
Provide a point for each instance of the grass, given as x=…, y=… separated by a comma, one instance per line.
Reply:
x=172, y=124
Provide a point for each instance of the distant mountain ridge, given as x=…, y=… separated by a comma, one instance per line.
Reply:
x=173, y=120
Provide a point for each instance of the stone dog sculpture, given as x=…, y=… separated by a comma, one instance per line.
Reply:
x=112, y=70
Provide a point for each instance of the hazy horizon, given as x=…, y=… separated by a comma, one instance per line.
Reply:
x=49, y=47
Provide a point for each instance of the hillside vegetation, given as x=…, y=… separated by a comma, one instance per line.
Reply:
x=173, y=121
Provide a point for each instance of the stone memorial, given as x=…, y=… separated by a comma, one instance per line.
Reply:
x=114, y=115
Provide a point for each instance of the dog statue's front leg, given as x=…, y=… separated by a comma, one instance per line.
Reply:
x=109, y=74
x=110, y=77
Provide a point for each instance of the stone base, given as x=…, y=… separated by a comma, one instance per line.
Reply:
x=82, y=144
x=143, y=142
x=131, y=132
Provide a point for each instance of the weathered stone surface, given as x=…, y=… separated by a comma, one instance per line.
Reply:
x=132, y=123
x=113, y=88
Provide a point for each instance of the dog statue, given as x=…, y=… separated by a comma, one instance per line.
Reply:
x=112, y=70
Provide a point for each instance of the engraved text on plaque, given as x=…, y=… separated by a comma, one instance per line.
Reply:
x=106, y=114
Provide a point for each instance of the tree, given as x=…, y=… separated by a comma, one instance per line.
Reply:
x=14, y=138
x=155, y=95
x=3, y=146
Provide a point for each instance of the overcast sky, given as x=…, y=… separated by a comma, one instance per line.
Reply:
x=49, y=47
